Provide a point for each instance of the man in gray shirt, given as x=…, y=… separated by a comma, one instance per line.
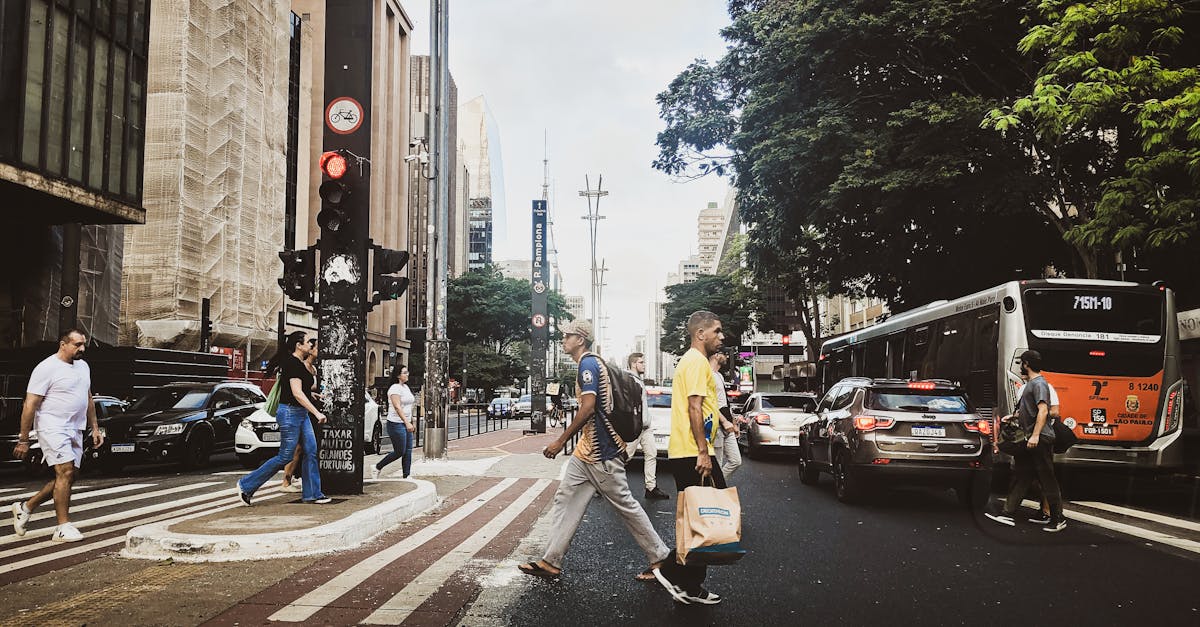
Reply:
x=1037, y=460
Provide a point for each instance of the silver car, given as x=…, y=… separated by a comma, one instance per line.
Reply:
x=771, y=421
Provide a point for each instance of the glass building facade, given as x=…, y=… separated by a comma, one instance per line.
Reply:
x=73, y=92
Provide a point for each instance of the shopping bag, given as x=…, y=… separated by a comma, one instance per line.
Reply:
x=1064, y=437
x=708, y=526
x=272, y=404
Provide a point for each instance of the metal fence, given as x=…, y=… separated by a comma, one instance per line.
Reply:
x=471, y=419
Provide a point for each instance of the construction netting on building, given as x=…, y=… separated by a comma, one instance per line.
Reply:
x=215, y=177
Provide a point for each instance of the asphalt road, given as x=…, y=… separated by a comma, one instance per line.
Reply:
x=902, y=557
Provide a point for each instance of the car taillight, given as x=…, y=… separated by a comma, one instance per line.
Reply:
x=979, y=426
x=921, y=385
x=871, y=423
x=763, y=419
x=1172, y=411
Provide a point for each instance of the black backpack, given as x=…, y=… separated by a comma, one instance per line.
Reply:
x=625, y=418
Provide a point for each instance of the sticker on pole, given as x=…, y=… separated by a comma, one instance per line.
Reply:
x=539, y=320
x=344, y=115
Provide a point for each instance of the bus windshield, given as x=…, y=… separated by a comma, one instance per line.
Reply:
x=1099, y=315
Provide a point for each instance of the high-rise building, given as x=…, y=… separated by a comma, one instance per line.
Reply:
x=711, y=229
x=73, y=86
x=479, y=137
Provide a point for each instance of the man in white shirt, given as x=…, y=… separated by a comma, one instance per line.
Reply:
x=59, y=397
x=725, y=444
x=637, y=367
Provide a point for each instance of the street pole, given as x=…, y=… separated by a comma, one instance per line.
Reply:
x=437, y=347
x=593, y=217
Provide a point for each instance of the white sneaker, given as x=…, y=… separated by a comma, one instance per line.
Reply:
x=67, y=532
x=375, y=472
x=291, y=487
x=20, y=518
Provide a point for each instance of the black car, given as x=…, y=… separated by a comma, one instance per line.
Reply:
x=106, y=407
x=181, y=422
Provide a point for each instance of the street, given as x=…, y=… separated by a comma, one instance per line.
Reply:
x=913, y=555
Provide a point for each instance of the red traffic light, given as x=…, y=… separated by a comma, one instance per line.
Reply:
x=334, y=164
x=787, y=339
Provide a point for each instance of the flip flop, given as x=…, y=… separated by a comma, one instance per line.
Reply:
x=535, y=569
x=645, y=575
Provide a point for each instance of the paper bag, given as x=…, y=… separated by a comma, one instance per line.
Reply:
x=708, y=526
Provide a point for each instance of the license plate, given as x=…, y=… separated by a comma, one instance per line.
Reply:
x=270, y=436
x=123, y=448
x=929, y=432
x=789, y=440
x=1097, y=430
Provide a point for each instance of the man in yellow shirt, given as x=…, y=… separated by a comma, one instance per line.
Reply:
x=695, y=421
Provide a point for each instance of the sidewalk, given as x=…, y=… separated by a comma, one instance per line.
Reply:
x=277, y=527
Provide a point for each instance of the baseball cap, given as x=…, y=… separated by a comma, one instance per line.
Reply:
x=582, y=328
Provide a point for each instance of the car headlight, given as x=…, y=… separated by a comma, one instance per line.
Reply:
x=171, y=429
x=246, y=424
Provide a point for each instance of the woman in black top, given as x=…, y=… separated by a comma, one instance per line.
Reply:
x=294, y=427
x=289, y=471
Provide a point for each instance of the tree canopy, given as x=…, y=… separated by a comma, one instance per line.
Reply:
x=714, y=293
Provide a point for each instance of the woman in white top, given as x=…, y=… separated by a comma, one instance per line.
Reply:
x=399, y=423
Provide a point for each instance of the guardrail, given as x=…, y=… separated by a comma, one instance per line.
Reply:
x=471, y=419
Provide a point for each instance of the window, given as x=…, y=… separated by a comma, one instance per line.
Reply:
x=224, y=399
x=827, y=402
x=803, y=403
x=247, y=395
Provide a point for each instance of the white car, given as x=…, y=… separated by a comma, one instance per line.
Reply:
x=658, y=400
x=257, y=437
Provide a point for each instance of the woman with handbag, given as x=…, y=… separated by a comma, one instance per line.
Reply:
x=296, y=381
x=290, y=483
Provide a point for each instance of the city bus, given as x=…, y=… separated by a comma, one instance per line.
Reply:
x=1109, y=348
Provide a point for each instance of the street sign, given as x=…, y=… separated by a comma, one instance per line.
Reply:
x=344, y=115
x=539, y=341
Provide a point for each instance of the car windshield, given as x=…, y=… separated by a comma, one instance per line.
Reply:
x=171, y=398
x=501, y=401
x=949, y=403
x=803, y=403
x=658, y=400
x=525, y=399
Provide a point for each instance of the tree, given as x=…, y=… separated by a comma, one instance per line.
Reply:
x=489, y=317
x=708, y=292
x=851, y=130
x=1113, y=120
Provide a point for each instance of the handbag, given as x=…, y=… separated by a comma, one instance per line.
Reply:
x=1012, y=438
x=1064, y=437
x=272, y=404
x=708, y=526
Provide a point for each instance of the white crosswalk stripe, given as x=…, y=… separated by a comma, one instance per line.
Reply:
x=85, y=546
x=400, y=606
x=79, y=493
x=1144, y=515
x=303, y=608
x=121, y=501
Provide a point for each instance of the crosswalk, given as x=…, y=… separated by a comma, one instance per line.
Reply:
x=421, y=568
x=104, y=515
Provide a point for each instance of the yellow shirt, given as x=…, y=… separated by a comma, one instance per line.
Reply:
x=693, y=377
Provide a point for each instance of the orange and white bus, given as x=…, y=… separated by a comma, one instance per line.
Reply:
x=1109, y=348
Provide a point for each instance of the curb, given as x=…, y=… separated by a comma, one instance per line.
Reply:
x=156, y=542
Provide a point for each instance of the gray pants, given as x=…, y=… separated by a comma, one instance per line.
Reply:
x=579, y=482
x=729, y=456
x=649, y=454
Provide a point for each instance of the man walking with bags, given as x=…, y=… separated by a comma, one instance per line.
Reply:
x=695, y=421
x=1037, y=459
x=596, y=466
x=637, y=367
x=59, y=397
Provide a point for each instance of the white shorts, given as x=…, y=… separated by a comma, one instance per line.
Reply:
x=60, y=447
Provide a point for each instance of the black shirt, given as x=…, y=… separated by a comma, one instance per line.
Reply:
x=292, y=368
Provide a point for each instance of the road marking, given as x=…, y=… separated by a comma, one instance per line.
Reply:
x=128, y=499
x=1137, y=532
x=1137, y=513
x=399, y=607
x=120, y=515
x=303, y=608
x=84, y=547
x=76, y=496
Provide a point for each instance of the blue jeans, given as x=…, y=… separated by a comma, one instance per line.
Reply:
x=294, y=428
x=402, y=443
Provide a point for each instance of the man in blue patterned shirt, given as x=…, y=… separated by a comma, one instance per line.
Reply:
x=596, y=466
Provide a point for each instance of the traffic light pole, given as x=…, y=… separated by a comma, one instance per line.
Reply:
x=437, y=346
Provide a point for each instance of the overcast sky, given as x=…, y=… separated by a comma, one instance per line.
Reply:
x=586, y=74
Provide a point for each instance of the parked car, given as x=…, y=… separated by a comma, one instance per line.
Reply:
x=772, y=421
x=257, y=437
x=737, y=398
x=523, y=408
x=500, y=407
x=107, y=407
x=179, y=422
x=913, y=432
x=658, y=401
x=570, y=403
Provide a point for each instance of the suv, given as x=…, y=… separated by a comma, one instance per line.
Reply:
x=919, y=432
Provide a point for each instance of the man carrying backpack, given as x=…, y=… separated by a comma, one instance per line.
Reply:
x=596, y=466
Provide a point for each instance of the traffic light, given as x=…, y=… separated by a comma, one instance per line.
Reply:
x=335, y=192
x=787, y=339
x=385, y=284
x=299, y=274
